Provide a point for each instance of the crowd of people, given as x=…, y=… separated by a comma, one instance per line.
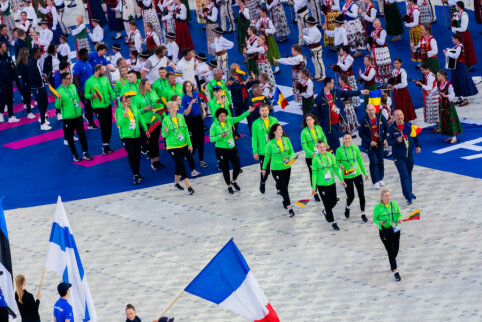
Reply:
x=167, y=88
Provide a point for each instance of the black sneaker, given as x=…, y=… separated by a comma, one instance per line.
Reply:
x=335, y=227
x=87, y=156
x=190, y=191
x=364, y=218
x=262, y=187
x=77, y=158
x=347, y=212
x=397, y=277
x=148, y=155
x=235, y=185
x=92, y=127
x=72, y=5
x=137, y=180
x=141, y=177
x=230, y=190
x=317, y=198
x=106, y=149
x=154, y=166
x=178, y=187
x=241, y=170
x=203, y=164
x=291, y=212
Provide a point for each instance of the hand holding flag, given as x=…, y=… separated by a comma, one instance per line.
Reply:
x=303, y=202
x=413, y=216
x=98, y=94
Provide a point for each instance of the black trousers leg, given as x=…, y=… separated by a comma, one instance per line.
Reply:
x=79, y=128
x=89, y=111
x=222, y=155
x=358, y=181
x=282, y=178
x=268, y=170
x=350, y=191
x=69, y=129
x=27, y=97
x=391, y=241
x=195, y=124
x=40, y=95
x=154, y=142
x=104, y=115
x=178, y=157
x=328, y=196
x=234, y=158
x=133, y=149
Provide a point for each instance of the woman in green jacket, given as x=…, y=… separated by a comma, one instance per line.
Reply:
x=178, y=144
x=311, y=134
x=119, y=85
x=388, y=217
x=221, y=134
x=325, y=169
x=146, y=102
x=279, y=153
x=349, y=158
x=129, y=123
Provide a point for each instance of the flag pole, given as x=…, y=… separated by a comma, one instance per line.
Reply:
x=172, y=303
x=41, y=280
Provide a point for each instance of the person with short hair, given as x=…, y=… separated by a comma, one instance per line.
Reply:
x=134, y=39
x=97, y=33
x=23, y=84
x=27, y=305
x=387, y=216
x=37, y=85
x=312, y=37
x=62, y=309
x=172, y=88
x=20, y=41
x=298, y=64
x=81, y=72
x=186, y=66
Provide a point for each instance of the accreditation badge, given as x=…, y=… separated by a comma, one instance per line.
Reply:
x=76, y=104
x=180, y=137
x=328, y=176
x=231, y=142
x=396, y=229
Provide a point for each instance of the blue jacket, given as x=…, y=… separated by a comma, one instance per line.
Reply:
x=365, y=130
x=398, y=148
x=321, y=108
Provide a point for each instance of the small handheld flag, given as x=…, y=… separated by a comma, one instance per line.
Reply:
x=240, y=72
x=129, y=94
x=349, y=171
x=415, y=131
x=178, y=74
x=229, y=282
x=202, y=97
x=375, y=98
x=413, y=216
x=257, y=98
x=279, y=99
x=163, y=99
x=303, y=202
x=53, y=91
x=290, y=162
x=99, y=95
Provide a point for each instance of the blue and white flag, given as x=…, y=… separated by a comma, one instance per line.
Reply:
x=63, y=258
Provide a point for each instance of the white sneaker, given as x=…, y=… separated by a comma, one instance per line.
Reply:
x=24, y=106
x=31, y=116
x=195, y=173
x=13, y=119
x=45, y=127
x=46, y=120
x=376, y=186
x=2, y=118
x=59, y=117
x=76, y=138
x=381, y=183
x=65, y=142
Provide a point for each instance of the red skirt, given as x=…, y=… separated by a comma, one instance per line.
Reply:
x=183, y=36
x=403, y=101
x=470, y=57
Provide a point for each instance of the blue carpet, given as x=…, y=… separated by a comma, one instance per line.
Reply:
x=35, y=175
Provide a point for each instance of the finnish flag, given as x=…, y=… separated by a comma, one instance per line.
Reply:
x=63, y=258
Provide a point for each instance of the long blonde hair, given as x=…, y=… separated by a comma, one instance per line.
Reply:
x=19, y=280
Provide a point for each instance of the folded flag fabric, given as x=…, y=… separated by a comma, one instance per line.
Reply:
x=302, y=203
x=129, y=94
x=279, y=99
x=155, y=121
x=349, y=171
x=64, y=259
x=53, y=91
x=413, y=216
x=99, y=95
x=239, y=71
x=290, y=162
x=7, y=294
x=203, y=97
x=163, y=99
x=375, y=98
x=228, y=281
x=178, y=74
x=257, y=98
x=415, y=131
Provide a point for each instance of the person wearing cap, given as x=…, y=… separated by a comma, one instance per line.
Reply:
x=63, y=50
x=45, y=36
x=222, y=135
x=301, y=10
x=221, y=45
x=312, y=37
x=52, y=19
x=69, y=105
x=62, y=309
x=267, y=29
x=116, y=50
x=97, y=34
x=172, y=88
x=212, y=65
x=210, y=12
x=152, y=39
x=186, y=66
x=202, y=70
x=129, y=123
x=339, y=35
x=172, y=48
x=80, y=34
x=150, y=70
x=134, y=39
x=31, y=13
x=99, y=91
x=183, y=35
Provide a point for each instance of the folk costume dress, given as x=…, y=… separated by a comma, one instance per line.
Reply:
x=244, y=21
x=269, y=31
x=462, y=28
x=298, y=63
x=369, y=80
x=149, y=15
x=354, y=28
x=351, y=122
x=461, y=81
x=415, y=28
x=251, y=58
x=81, y=38
x=183, y=35
x=263, y=62
x=344, y=66
x=7, y=17
x=430, y=99
x=278, y=16
x=52, y=18
x=331, y=8
x=393, y=18
x=429, y=50
x=425, y=11
x=401, y=95
x=381, y=54
x=449, y=120
x=211, y=24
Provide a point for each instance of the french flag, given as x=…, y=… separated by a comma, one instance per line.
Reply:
x=228, y=281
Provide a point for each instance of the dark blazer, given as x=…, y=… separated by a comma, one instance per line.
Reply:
x=22, y=71
x=321, y=108
x=48, y=69
x=365, y=130
x=34, y=75
x=29, y=309
x=7, y=69
x=19, y=43
x=398, y=148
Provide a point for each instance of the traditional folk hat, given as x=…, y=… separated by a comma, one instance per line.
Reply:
x=171, y=35
x=310, y=20
x=213, y=63
x=201, y=56
x=95, y=20
x=218, y=30
x=339, y=19
x=116, y=47
x=145, y=54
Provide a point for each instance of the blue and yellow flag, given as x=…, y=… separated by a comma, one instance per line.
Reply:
x=279, y=99
x=375, y=98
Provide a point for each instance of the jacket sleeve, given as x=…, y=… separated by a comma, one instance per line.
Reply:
x=213, y=136
x=238, y=119
x=383, y=134
x=347, y=93
x=336, y=168
x=254, y=139
x=165, y=134
x=359, y=159
x=376, y=217
x=392, y=141
x=185, y=132
x=364, y=138
x=292, y=154
x=267, y=156
x=47, y=69
x=87, y=90
x=110, y=91
x=314, y=176
x=304, y=145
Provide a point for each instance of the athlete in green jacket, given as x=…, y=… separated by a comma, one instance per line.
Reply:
x=218, y=101
x=279, y=155
x=159, y=85
x=325, y=169
x=218, y=81
x=132, y=85
x=178, y=145
x=349, y=159
x=69, y=105
x=388, y=218
x=173, y=88
x=221, y=134
x=129, y=123
x=259, y=139
x=311, y=134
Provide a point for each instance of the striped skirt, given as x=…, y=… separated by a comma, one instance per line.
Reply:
x=431, y=109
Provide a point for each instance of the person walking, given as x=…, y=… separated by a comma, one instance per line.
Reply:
x=63, y=311
x=23, y=83
x=8, y=74
x=27, y=305
x=387, y=216
x=37, y=85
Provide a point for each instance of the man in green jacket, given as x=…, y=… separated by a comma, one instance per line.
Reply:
x=132, y=85
x=259, y=138
x=218, y=80
x=159, y=85
x=172, y=88
x=69, y=105
x=99, y=91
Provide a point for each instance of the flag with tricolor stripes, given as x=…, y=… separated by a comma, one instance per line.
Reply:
x=415, y=131
x=279, y=99
x=375, y=98
x=302, y=203
x=413, y=216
